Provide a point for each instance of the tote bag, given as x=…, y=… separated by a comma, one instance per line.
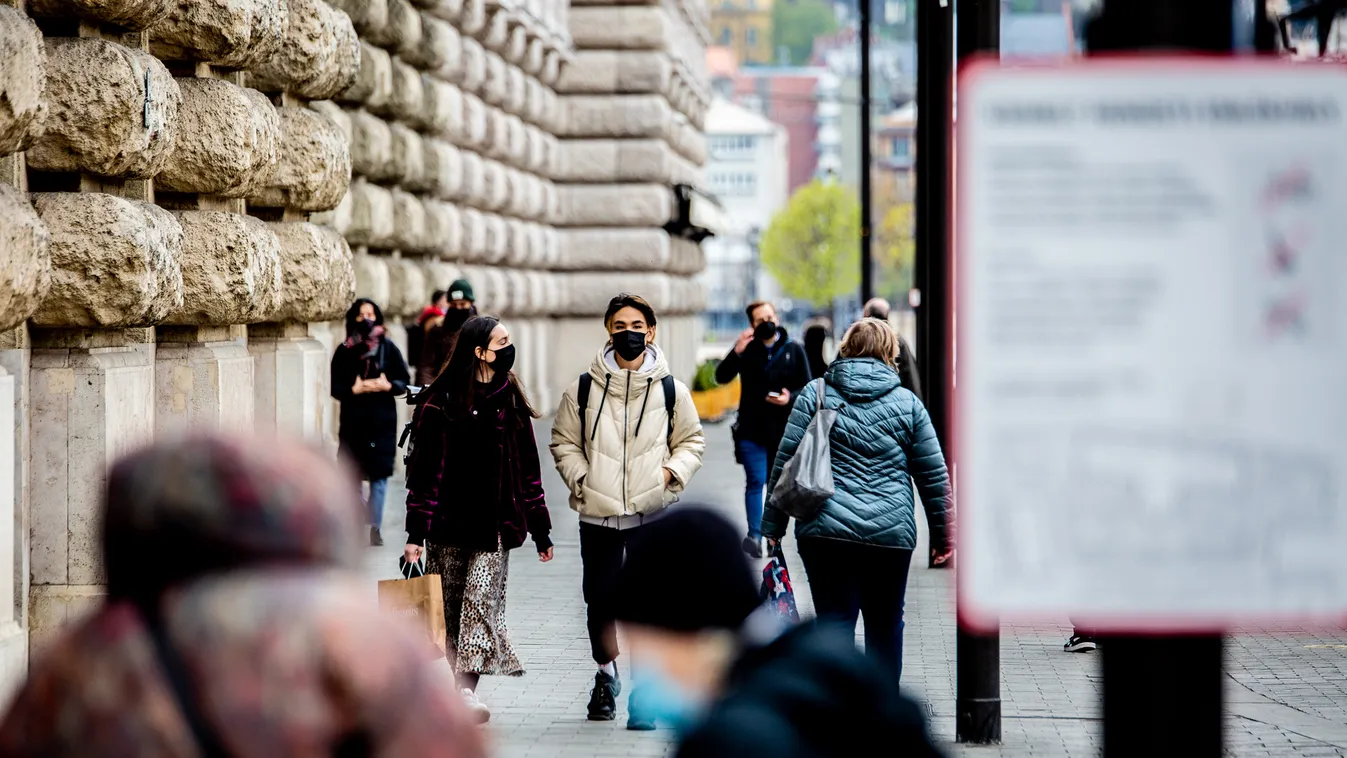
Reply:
x=806, y=481
x=418, y=600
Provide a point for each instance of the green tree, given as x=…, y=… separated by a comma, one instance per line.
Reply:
x=812, y=246
x=894, y=250
x=795, y=24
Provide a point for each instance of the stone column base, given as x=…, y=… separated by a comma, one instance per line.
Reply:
x=203, y=379
x=291, y=380
x=53, y=607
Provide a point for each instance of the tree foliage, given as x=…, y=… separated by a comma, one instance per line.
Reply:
x=795, y=24
x=895, y=245
x=812, y=246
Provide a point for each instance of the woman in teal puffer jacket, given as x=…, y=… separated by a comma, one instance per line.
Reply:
x=858, y=549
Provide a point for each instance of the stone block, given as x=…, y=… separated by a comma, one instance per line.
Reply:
x=102, y=118
x=408, y=159
x=438, y=41
x=617, y=116
x=686, y=257
x=373, y=85
x=203, y=380
x=131, y=14
x=497, y=236
x=371, y=147
x=451, y=68
x=23, y=77
x=115, y=262
x=593, y=161
x=369, y=17
x=227, y=140
x=474, y=65
x=231, y=269
x=365, y=217
x=230, y=33
x=403, y=32
x=25, y=259
x=691, y=143
x=474, y=234
x=615, y=205
x=409, y=222
x=407, y=288
x=494, y=88
x=444, y=229
x=474, y=179
x=318, y=281
x=516, y=90
x=409, y=93
x=449, y=10
x=615, y=249
x=474, y=133
x=320, y=57
x=442, y=111
x=596, y=72
x=444, y=166
x=497, y=187
x=371, y=279
x=315, y=162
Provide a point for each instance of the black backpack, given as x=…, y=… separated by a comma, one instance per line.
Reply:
x=670, y=397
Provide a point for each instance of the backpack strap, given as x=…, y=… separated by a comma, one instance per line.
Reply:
x=670, y=398
x=582, y=400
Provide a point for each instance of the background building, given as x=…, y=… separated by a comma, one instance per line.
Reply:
x=802, y=101
x=745, y=27
x=746, y=169
x=192, y=194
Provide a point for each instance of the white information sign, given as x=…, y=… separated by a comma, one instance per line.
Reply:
x=1152, y=377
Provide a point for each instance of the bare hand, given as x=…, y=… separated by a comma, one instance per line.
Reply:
x=745, y=339
x=668, y=478
x=412, y=553
x=359, y=388
x=773, y=545
x=941, y=557
x=782, y=400
x=378, y=385
x=546, y=555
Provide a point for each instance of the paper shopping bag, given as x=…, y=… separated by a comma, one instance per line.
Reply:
x=419, y=601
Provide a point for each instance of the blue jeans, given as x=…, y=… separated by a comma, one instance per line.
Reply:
x=757, y=465
x=374, y=504
x=849, y=579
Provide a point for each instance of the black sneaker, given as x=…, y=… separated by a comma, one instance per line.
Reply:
x=603, y=698
x=376, y=538
x=753, y=547
x=1080, y=643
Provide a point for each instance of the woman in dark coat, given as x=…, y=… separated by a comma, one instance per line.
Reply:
x=815, y=340
x=474, y=492
x=367, y=373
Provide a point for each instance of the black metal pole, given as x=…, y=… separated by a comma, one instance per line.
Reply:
x=978, y=702
x=1163, y=694
x=867, y=212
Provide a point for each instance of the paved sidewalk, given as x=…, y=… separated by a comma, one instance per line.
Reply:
x=1287, y=693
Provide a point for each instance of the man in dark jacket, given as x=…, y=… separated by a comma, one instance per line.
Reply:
x=771, y=369
x=721, y=671
x=907, y=362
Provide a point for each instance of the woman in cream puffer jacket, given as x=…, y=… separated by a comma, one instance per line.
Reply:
x=617, y=470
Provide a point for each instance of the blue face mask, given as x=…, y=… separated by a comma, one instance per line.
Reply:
x=658, y=696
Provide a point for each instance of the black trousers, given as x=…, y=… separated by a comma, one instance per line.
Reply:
x=602, y=551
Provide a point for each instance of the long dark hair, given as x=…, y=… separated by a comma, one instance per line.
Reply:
x=353, y=313
x=459, y=379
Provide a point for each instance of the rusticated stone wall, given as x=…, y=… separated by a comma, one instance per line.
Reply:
x=191, y=193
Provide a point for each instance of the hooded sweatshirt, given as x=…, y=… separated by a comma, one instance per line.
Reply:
x=615, y=470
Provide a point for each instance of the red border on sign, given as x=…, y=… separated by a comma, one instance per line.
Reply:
x=970, y=74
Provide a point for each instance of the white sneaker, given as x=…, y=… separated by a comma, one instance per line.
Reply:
x=480, y=713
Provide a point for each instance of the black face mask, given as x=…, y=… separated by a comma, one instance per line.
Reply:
x=504, y=360
x=455, y=319
x=764, y=331
x=629, y=345
x=363, y=327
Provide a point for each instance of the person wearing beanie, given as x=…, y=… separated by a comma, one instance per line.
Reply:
x=627, y=440
x=718, y=668
x=442, y=331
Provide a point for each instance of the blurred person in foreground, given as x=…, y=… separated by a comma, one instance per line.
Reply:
x=857, y=550
x=474, y=493
x=724, y=672
x=442, y=331
x=367, y=373
x=235, y=623
x=907, y=362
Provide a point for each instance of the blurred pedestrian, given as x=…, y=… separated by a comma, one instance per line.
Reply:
x=443, y=331
x=367, y=373
x=907, y=361
x=1082, y=640
x=416, y=336
x=858, y=548
x=474, y=492
x=816, y=336
x=235, y=623
x=772, y=369
x=626, y=440
x=722, y=671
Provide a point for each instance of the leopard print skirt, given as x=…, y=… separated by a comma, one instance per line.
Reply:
x=474, y=609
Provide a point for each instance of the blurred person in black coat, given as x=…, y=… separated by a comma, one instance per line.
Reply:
x=907, y=362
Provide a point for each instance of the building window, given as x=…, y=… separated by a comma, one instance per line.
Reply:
x=733, y=183
x=901, y=147
x=725, y=35
x=732, y=146
x=752, y=36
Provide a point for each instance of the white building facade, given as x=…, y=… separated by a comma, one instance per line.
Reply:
x=747, y=171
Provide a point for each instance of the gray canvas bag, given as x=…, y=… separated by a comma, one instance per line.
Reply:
x=806, y=481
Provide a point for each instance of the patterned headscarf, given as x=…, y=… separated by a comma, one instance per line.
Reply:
x=204, y=505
